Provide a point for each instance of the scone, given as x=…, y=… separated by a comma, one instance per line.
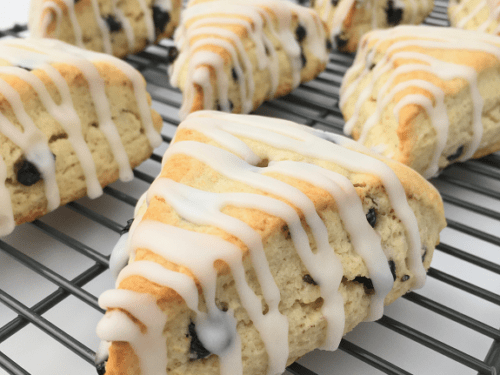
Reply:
x=71, y=122
x=349, y=20
x=117, y=27
x=425, y=96
x=478, y=15
x=259, y=241
x=235, y=54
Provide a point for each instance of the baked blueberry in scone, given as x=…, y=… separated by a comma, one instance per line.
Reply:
x=259, y=241
x=114, y=27
x=235, y=54
x=349, y=20
x=71, y=122
x=425, y=96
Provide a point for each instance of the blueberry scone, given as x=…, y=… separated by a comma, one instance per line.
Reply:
x=71, y=122
x=425, y=96
x=349, y=20
x=117, y=27
x=259, y=241
x=481, y=15
x=235, y=54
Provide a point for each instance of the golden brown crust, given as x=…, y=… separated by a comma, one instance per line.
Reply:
x=131, y=12
x=412, y=135
x=300, y=301
x=236, y=35
x=348, y=21
x=29, y=202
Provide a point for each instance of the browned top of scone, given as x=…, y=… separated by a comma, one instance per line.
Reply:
x=194, y=173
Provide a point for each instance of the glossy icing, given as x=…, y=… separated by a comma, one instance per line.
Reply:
x=39, y=54
x=188, y=248
x=201, y=20
x=40, y=20
x=336, y=16
x=403, y=39
x=490, y=7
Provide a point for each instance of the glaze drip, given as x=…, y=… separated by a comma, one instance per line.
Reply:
x=338, y=14
x=39, y=54
x=42, y=13
x=216, y=329
x=491, y=7
x=199, y=32
x=404, y=40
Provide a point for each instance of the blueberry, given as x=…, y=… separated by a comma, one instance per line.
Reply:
x=335, y=2
x=405, y=278
x=101, y=368
x=308, y=279
x=367, y=284
x=328, y=45
x=126, y=228
x=160, y=19
x=173, y=52
x=234, y=74
x=196, y=348
x=303, y=58
x=113, y=24
x=394, y=15
x=392, y=266
x=456, y=154
x=372, y=65
x=28, y=174
x=341, y=41
x=371, y=216
x=300, y=33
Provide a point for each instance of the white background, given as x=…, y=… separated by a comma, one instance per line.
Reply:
x=13, y=11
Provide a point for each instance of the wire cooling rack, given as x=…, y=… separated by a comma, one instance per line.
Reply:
x=52, y=270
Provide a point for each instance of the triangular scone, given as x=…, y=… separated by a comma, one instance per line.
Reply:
x=480, y=15
x=349, y=20
x=260, y=241
x=235, y=54
x=71, y=122
x=114, y=27
x=425, y=96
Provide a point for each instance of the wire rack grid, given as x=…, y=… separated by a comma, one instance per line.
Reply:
x=52, y=270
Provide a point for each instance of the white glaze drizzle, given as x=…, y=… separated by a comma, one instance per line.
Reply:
x=491, y=6
x=38, y=53
x=215, y=329
x=196, y=54
x=183, y=247
x=442, y=39
x=203, y=208
x=38, y=29
x=149, y=346
x=38, y=26
x=66, y=116
x=32, y=142
x=285, y=134
x=335, y=16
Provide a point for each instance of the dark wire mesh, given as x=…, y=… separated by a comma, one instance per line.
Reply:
x=463, y=187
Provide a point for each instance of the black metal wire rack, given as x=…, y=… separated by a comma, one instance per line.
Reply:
x=57, y=266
